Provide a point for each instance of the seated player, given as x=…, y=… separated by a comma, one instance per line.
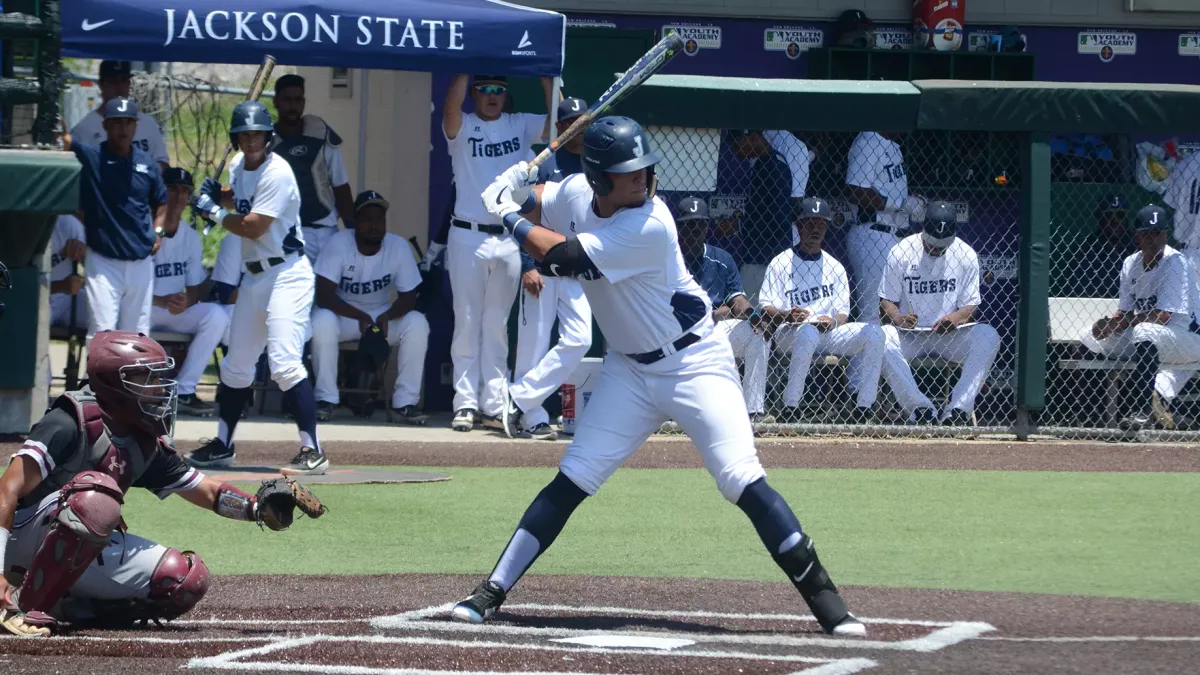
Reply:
x=716, y=272
x=178, y=282
x=929, y=296
x=61, y=497
x=806, y=301
x=1154, y=322
x=356, y=273
x=68, y=248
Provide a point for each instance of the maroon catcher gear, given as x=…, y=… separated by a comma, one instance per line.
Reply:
x=128, y=372
x=179, y=582
x=87, y=513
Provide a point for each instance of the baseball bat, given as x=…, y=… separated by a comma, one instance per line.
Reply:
x=652, y=62
x=256, y=90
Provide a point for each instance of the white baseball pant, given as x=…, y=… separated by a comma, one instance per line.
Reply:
x=868, y=252
x=129, y=561
x=751, y=349
x=485, y=271
x=631, y=401
x=858, y=341
x=206, y=323
x=974, y=347
x=541, y=370
x=60, y=309
x=272, y=311
x=315, y=239
x=410, y=332
x=228, y=309
x=119, y=293
x=1175, y=345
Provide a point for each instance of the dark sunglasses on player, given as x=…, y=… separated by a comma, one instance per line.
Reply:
x=490, y=89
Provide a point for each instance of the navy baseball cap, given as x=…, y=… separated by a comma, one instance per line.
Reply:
x=369, y=198
x=491, y=79
x=177, y=175
x=1112, y=202
x=941, y=225
x=1151, y=218
x=115, y=69
x=813, y=207
x=691, y=208
x=569, y=108
x=120, y=107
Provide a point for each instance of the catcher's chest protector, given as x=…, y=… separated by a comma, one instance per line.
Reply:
x=119, y=457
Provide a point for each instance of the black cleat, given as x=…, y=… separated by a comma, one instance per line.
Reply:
x=925, y=417
x=464, y=420
x=481, y=604
x=308, y=462
x=324, y=411
x=212, y=455
x=1137, y=422
x=190, y=404
x=958, y=418
x=409, y=415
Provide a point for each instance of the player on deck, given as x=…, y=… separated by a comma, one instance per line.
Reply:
x=665, y=360
x=275, y=298
x=67, y=250
x=61, y=495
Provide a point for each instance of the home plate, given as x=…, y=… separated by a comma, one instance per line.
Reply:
x=628, y=641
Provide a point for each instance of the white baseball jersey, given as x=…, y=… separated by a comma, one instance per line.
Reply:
x=148, y=137
x=930, y=286
x=228, y=267
x=1165, y=287
x=816, y=283
x=66, y=228
x=269, y=190
x=796, y=154
x=646, y=298
x=1183, y=195
x=876, y=163
x=178, y=263
x=483, y=150
x=366, y=282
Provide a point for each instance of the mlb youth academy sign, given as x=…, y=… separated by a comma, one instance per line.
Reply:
x=472, y=36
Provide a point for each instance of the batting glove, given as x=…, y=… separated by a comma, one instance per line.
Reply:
x=432, y=256
x=521, y=177
x=916, y=205
x=497, y=199
x=211, y=188
x=207, y=208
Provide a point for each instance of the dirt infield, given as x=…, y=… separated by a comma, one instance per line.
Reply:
x=563, y=624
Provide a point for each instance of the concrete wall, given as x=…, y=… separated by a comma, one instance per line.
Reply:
x=397, y=140
x=1091, y=13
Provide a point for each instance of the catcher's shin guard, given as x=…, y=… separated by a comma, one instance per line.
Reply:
x=88, y=512
x=809, y=577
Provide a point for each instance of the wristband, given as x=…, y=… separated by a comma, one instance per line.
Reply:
x=220, y=216
x=518, y=226
x=529, y=203
x=234, y=504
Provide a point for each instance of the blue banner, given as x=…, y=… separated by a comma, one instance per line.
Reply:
x=446, y=36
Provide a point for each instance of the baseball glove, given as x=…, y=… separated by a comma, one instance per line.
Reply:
x=279, y=497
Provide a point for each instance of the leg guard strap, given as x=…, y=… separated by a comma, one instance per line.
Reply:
x=809, y=577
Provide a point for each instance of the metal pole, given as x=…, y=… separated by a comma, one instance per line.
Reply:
x=363, y=79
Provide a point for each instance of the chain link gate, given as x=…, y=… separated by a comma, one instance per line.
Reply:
x=864, y=375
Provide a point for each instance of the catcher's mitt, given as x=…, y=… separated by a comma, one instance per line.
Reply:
x=278, y=497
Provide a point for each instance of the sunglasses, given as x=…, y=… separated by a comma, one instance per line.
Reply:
x=491, y=89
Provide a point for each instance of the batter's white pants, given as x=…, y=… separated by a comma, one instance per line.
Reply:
x=751, y=349
x=128, y=562
x=974, y=347
x=1175, y=345
x=410, y=332
x=315, y=239
x=60, y=309
x=272, y=311
x=206, y=323
x=485, y=272
x=119, y=293
x=857, y=341
x=539, y=369
x=631, y=401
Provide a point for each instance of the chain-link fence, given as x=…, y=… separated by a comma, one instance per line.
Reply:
x=851, y=317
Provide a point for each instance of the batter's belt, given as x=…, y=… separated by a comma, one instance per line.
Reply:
x=480, y=227
x=646, y=358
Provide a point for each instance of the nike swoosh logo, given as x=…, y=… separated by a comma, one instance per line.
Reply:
x=88, y=25
x=554, y=270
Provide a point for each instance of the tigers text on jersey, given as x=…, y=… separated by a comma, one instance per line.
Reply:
x=483, y=150
x=366, y=282
x=1166, y=287
x=876, y=163
x=269, y=190
x=178, y=264
x=1183, y=195
x=646, y=298
x=148, y=137
x=816, y=283
x=66, y=227
x=930, y=286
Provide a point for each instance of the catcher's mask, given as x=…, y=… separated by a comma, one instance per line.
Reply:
x=129, y=374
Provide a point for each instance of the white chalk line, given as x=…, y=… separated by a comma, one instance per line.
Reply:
x=149, y=640
x=1095, y=638
x=273, y=622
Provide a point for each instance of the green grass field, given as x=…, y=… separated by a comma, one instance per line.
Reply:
x=1107, y=534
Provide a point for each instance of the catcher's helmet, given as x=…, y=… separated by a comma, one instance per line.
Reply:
x=128, y=373
x=249, y=116
x=941, y=225
x=615, y=144
x=1151, y=218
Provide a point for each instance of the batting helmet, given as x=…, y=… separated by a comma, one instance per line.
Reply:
x=615, y=144
x=941, y=224
x=128, y=374
x=1151, y=218
x=249, y=116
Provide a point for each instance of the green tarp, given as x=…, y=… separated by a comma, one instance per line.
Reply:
x=40, y=181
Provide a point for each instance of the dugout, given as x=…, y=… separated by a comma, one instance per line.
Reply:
x=983, y=145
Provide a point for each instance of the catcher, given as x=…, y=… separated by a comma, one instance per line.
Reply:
x=65, y=551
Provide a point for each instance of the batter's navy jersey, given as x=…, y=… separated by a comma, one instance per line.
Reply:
x=717, y=274
x=117, y=196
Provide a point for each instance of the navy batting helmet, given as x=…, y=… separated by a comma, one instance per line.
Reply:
x=1151, y=218
x=615, y=144
x=249, y=116
x=941, y=224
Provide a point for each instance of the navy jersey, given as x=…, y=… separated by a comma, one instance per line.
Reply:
x=117, y=196
x=717, y=274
